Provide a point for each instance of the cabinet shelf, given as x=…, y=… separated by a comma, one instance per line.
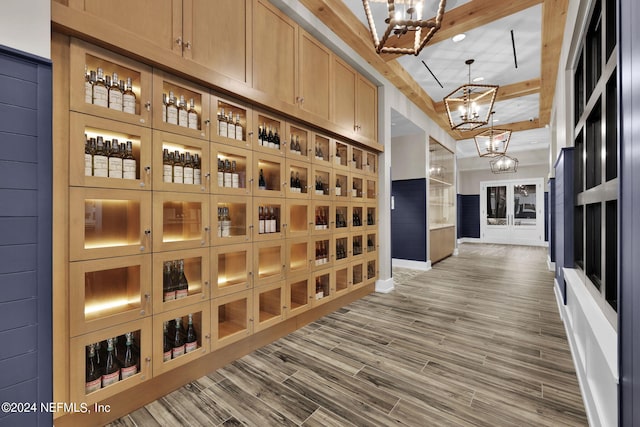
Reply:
x=232, y=268
x=231, y=318
x=181, y=221
x=268, y=305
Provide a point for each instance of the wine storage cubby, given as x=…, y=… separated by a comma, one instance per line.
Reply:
x=232, y=170
x=180, y=278
x=342, y=279
x=357, y=187
x=372, y=217
x=323, y=251
x=87, y=376
x=268, y=305
x=300, y=255
x=108, y=292
x=372, y=269
x=323, y=285
x=321, y=150
x=269, y=262
x=92, y=97
x=322, y=221
x=341, y=186
x=180, y=336
x=341, y=153
x=299, y=294
x=268, y=213
x=231, y=269
x=372, y=191
x=268, y=134
x=357, y=157
x=372, y=242
x=298, y=145
x=357, y=274
x=341, y=216
x=357, y=245
x=269, y=175
x=232, y=124
x=299, y=218
x=182, y=221
x=342, y=248
x=173, y=109
x=358, y=221
x=231, y=318
x=106, y=223
x=94, y=163
x=231, y=219
x=322, y=183
x=299, y=184
x=371, y=163
x=180, y=163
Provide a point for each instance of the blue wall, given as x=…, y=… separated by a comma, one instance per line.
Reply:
x=409, y=219
x=468, y=215
x=25, y=235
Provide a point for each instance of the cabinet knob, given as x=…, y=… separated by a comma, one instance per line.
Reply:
x=147, y=105
x=179, y=41
x=207, y=122
x=187, y=45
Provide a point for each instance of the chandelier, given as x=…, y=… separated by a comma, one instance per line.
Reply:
x=469, y=106
x=492, y=142
x=504, y=164
x=403, y=21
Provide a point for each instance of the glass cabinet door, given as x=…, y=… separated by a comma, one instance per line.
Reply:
x=496, y=209
x=524, y=205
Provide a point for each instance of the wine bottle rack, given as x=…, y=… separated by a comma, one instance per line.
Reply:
x=300, y=256
x=269, y=262
x=298, y=143
x=343, y=279
x=240, y=228
x=232, y=268
x=341, y=153
x=221, y=131
x=223, y=179
x=298, y=294
x=268, y=305
x=299, y=220
x=277, y=127
x=231, y=318
x=324, y=287
x=163, y=176
x=197, y=272
x=181, y=221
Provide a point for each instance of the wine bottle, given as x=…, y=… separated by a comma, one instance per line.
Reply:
x=111, y=374
x=100, y=90
x=178, y=168
x=167, y=349
x=192, y=115
x=261, y=220
x=197, y=170
x=178, y=340
x=228, y=180
x=88, y=86
x=129, y=165
x=167, y=166
x=187, y=169
x=225, y=223
x=129, y=100
x=239, y=130
x=262, y=184
x=319, y=289
x=182, y=288
x=115, y=94
x=115, y=160
x=231, y=126
x=183, y=113
x=100, y=160
x=260, y=135
x=338, y=187
x=219, y=221
x=298, y=150
x=220, y=173
x=270, y=141
x=165, y=102
x=370, y=245
x=235, y=178
x=191, y=340
x=222, y=124
x=292, y=183
x=273, y=221
x=88, y=157
x=172, y=110
x=130, y=359
x=93, y=378
x=168, y=288
x=276, y=140
x=292, y=144
x=298, y=184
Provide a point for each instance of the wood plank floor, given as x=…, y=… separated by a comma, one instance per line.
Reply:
x=476, y=341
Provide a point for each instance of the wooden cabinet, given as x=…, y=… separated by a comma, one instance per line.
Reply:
x=355, y=101
x=232, y=318
x=168, y=176
x=342, y=279
x=324, y=286
x=231, y=220
x=268, y=215
x=231, y=170
x=181, y=221
x=269, y=262
x=269, y=175
x=268, y=305
x=166, y=266
x=217, y=36
x=358, y=274
x=314, y=73
x=232, y=269
x=233, y=123
x=300, y=179
x=299, y=294
x=275, y=39
x=299, y=218
x=300, y=255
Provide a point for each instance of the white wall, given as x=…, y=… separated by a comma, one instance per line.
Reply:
x=26, y=25
x=409, y=157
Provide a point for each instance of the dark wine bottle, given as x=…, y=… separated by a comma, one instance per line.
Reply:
x=93, y=378
x=262, y=184
x=178, y=340
x=191, y=341
x=166, y=343
x=130, y=359
x=111, y=374
x=182, y=288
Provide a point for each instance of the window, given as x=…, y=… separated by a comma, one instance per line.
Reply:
x=596, y=147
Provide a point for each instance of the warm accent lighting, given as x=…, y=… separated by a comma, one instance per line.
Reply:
x=492, y=142
x=469, y=106
x=108, y=306
x=504, y=164
x=405, y=21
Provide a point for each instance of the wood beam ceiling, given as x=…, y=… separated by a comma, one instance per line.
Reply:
x=514, y=127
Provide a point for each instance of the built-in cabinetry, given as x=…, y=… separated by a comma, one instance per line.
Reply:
x=211, y=232
x=442, y=211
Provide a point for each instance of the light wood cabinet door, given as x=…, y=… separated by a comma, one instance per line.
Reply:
x=158, y=21
x=274, y=52
x=314, y=64
x=215, y=35
x=344, y=90
x=366, y=108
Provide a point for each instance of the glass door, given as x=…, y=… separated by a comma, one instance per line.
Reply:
x=512, y=212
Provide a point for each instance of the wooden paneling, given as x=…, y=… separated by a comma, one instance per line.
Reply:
x=314, y=71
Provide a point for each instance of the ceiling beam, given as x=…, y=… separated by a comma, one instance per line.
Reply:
x=470, y=15
x=514, y=127
x=554, y=17
x=514, y=90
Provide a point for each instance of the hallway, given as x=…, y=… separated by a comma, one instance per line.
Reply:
x=475, y=341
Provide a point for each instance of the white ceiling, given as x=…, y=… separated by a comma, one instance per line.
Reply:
x=491, y=47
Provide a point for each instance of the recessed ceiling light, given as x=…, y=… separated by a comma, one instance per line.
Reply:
x=478, y=79
x=458, y=37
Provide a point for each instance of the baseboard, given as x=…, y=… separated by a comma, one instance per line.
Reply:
x=469, y=240
x=550, y=264
x=384, y=286
x=413, y=265
x=593, y=346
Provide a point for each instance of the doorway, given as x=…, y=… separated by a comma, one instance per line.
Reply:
x=512, y=212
